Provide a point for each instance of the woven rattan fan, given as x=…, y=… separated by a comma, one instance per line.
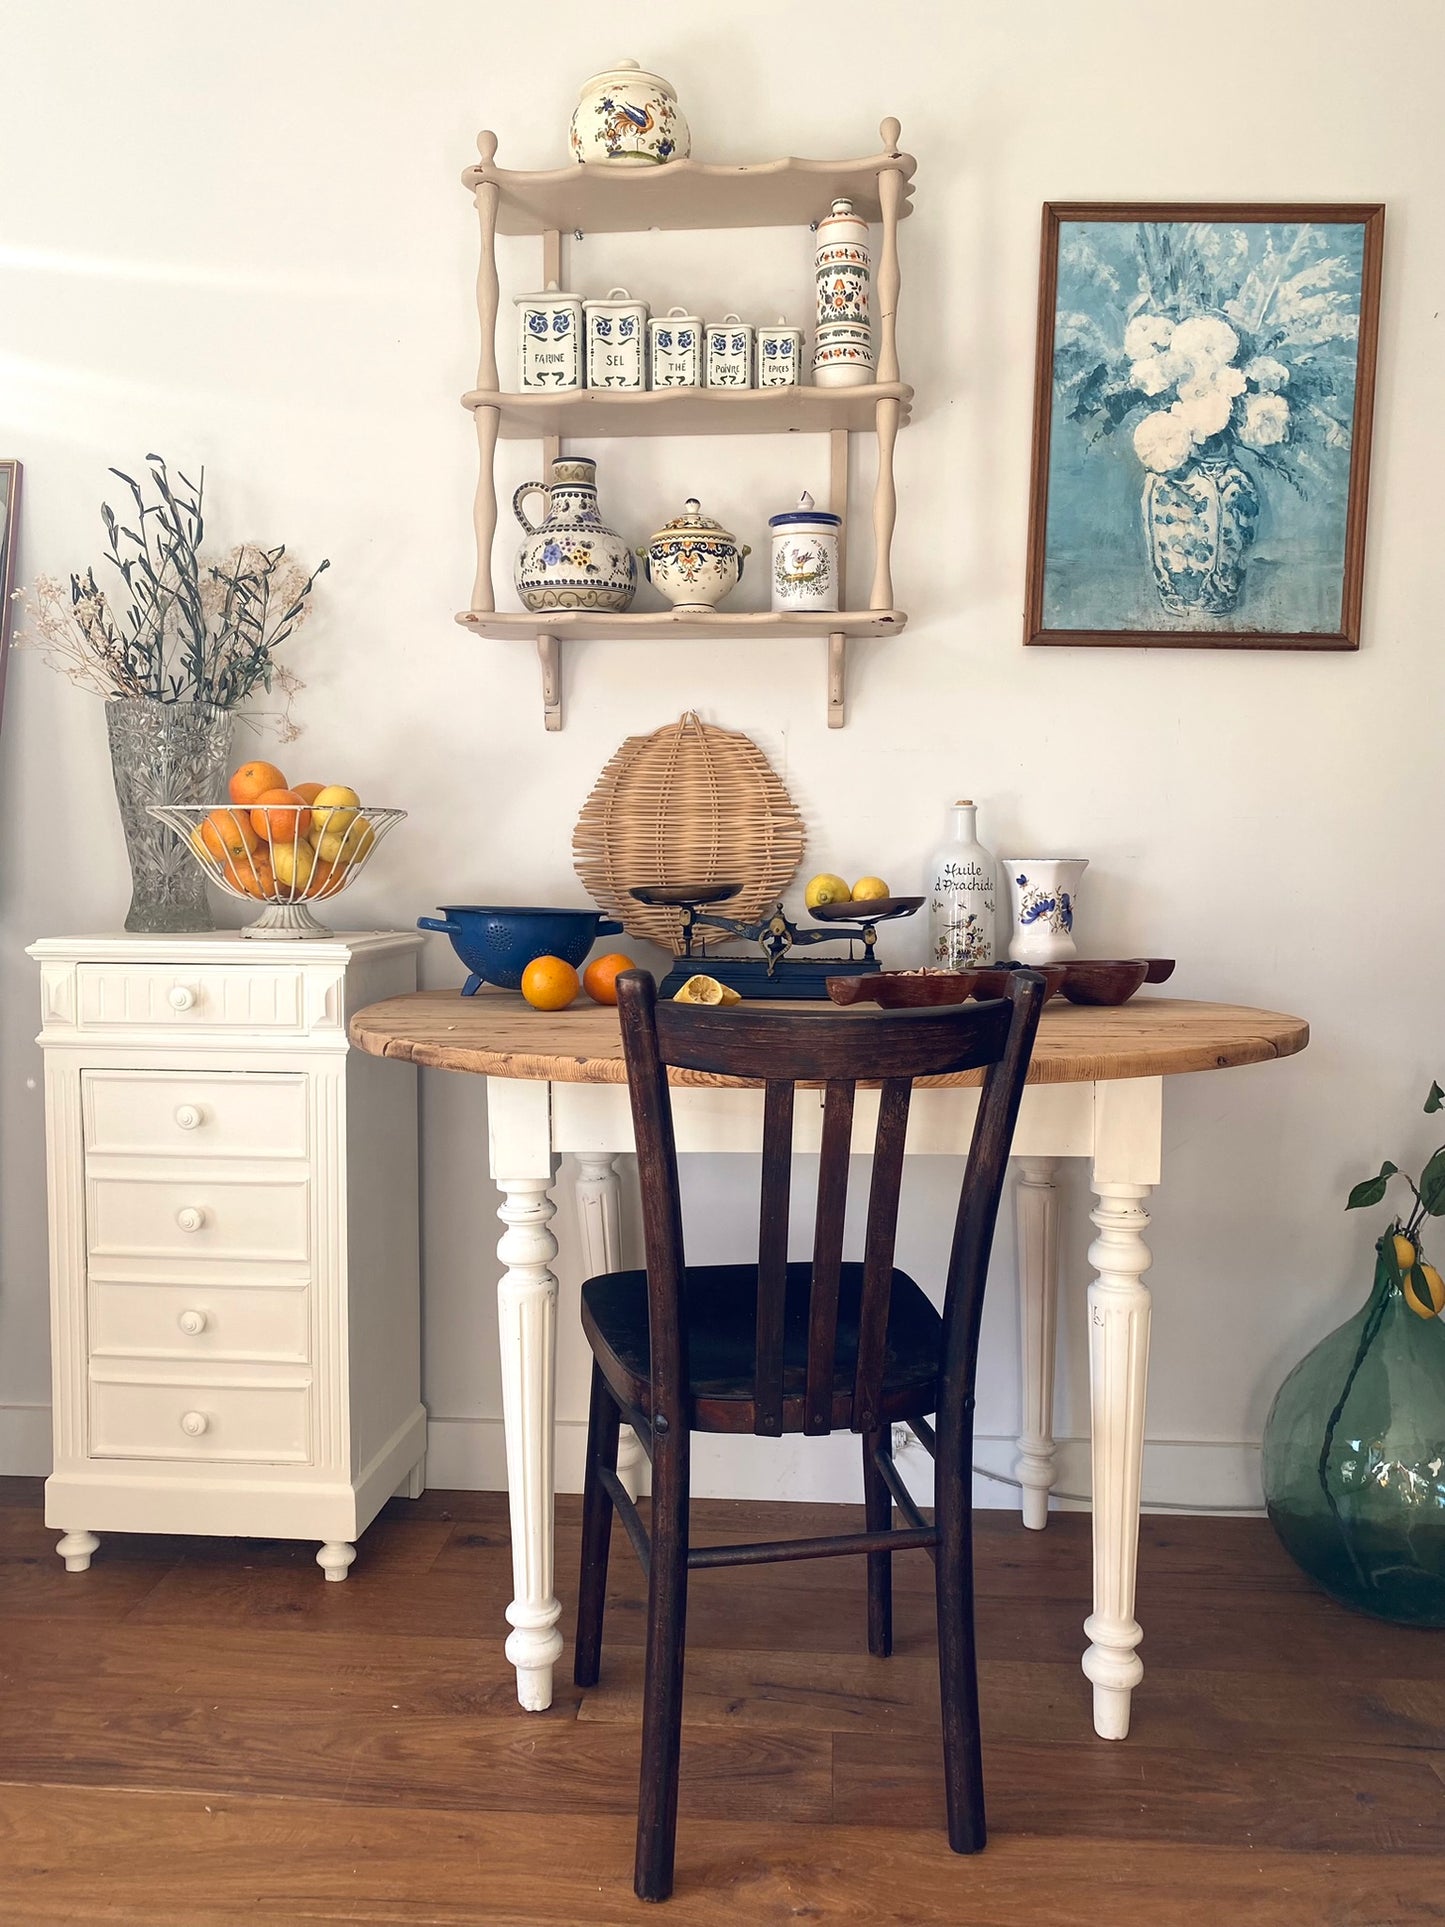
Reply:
x=688, y=805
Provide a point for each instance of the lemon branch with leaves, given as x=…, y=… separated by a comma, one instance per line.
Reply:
x=1421, y=1284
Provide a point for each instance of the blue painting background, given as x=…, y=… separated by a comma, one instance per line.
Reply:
x=1096, y=569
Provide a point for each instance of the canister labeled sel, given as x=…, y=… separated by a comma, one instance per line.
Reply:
x=616, y=341
x=730, y=353
x=805, y=558
x=843, y=276
x=675, y=340
x=549, y=339
x=780, y=356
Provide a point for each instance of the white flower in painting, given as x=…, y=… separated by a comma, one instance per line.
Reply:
x=1162, y=441
x=1206, y=414
x=1153, y=373
x=1146, y=335
x=1266, y=373
x=1211, y=381
x=1266, y=421
x=1204, y=340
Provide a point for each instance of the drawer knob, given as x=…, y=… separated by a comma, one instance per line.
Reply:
x=181, y=997
x=188, y=1116
x=190, y=1217
x=192, y=1323
x=194, y=1423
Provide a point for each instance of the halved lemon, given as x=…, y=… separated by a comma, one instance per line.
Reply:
x=706, y=990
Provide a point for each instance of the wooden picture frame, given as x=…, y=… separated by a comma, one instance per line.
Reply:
x=1249, y=529
x=9, y=530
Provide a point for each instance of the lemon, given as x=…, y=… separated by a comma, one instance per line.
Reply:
x=293, y=863
x=869, y=889
x=335, y=807
x=706, y=990
x=826, y=888
x=1404, y=1252
x=1425, y=1294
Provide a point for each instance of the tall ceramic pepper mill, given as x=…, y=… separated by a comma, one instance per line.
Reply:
x=843, y=275
x=961, y=884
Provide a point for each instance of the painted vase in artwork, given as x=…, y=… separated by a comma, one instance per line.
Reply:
x=962, y=878
x=1200, y=523
x=1043, y=894
x=571, y=559
x=1354, y=1452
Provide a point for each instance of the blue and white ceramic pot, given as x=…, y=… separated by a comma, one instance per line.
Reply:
x=572, y=560
x=1199, y=523
x=693, y=560
x=1043, y=895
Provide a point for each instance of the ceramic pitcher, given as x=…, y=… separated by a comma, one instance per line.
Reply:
x=572, y=560
x=1043, y=895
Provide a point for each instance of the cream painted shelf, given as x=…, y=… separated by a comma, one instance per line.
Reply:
x=598, y=412
x=689, y=194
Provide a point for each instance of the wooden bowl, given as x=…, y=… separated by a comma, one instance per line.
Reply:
x=1110, y=981
x=904, y=990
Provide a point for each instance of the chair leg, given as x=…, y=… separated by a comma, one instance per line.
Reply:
x=878, y=1516
x=957, y=1658
x=662, y=1686
x=603, y=1425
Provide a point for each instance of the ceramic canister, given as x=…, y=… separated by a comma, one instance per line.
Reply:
x=843, y=276
x=780, y=356
x=626, y=116
x=675, y=344
x=693, y=560
x=616, y=341
x=572, y=560
x=729, y=353
x=550, y=339
x=1044, y=894
x=805, y=558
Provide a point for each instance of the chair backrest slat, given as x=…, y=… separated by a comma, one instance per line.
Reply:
x=878, y=1243
x=773, y=1257
x=828, y=1254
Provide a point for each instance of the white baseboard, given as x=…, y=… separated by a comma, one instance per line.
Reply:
x=468, y=1454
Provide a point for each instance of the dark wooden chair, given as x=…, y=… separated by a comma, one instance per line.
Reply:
x=777, y=1347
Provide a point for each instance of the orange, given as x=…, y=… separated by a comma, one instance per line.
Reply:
x=251, y=779
x=250, y=873
x=280, y=823
x=228, y=835
x=319, y=880
x=549, y=984
x=308, y=792
x=599, y=979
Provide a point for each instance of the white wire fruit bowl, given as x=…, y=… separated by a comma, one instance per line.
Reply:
x=284, y=856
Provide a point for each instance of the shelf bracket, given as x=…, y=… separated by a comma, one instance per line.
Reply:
x=837, y=672
x=549, y=654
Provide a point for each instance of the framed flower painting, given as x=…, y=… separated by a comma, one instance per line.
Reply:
x=1202, y=410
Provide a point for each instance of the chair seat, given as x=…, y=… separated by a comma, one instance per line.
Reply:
x=721, y=1319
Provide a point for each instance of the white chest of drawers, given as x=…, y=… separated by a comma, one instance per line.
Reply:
x=235, y=1326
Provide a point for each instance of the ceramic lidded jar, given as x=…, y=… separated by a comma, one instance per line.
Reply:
x=549, y=339
x=1044, y=898
x=843, y=277
x=729, y=353
x=780, y=356
x=616, y=341
x=628, y=117
x=675, y=344
x=572, y=560
x=693, y=560
x=805, y=558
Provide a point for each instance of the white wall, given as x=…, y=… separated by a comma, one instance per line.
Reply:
x=236, y=235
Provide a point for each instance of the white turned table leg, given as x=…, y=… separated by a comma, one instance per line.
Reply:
x=599, y=1219
x=335, y=1558
x=75, y=1549
x=1118, y=1367
x=1036, y=1215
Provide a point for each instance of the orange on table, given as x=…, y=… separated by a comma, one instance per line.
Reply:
x=281, y=816
x=549, y=984
x=599, y=979
x=252, y=779
x=227, y=834
x=319, y=881
x=253, y=874
x=308, y=792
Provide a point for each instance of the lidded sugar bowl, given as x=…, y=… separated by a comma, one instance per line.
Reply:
x=627, y=116
x=693, y=560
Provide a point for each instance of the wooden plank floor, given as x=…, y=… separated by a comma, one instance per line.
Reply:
x=197, y=1733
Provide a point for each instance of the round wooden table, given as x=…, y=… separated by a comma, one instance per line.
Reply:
x=556, y=1083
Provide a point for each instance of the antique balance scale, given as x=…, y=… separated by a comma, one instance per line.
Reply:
x=771, y=966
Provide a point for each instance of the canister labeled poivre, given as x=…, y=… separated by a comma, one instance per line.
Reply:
x=616, y=341
x=780, y=355
x=805, y=558
x=729, y=353
x=675, y=343
x=549, y=339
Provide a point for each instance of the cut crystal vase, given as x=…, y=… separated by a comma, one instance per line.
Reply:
x=165, y=753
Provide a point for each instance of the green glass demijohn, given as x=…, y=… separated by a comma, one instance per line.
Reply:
x=1354, y=1446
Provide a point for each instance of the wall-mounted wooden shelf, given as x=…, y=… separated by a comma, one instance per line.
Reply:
x=599, y=412
x=689, y=194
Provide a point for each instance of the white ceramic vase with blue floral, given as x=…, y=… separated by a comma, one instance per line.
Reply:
x=572, y=560
x=1043, y=901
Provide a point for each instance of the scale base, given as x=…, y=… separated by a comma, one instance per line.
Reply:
x=793, y=978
